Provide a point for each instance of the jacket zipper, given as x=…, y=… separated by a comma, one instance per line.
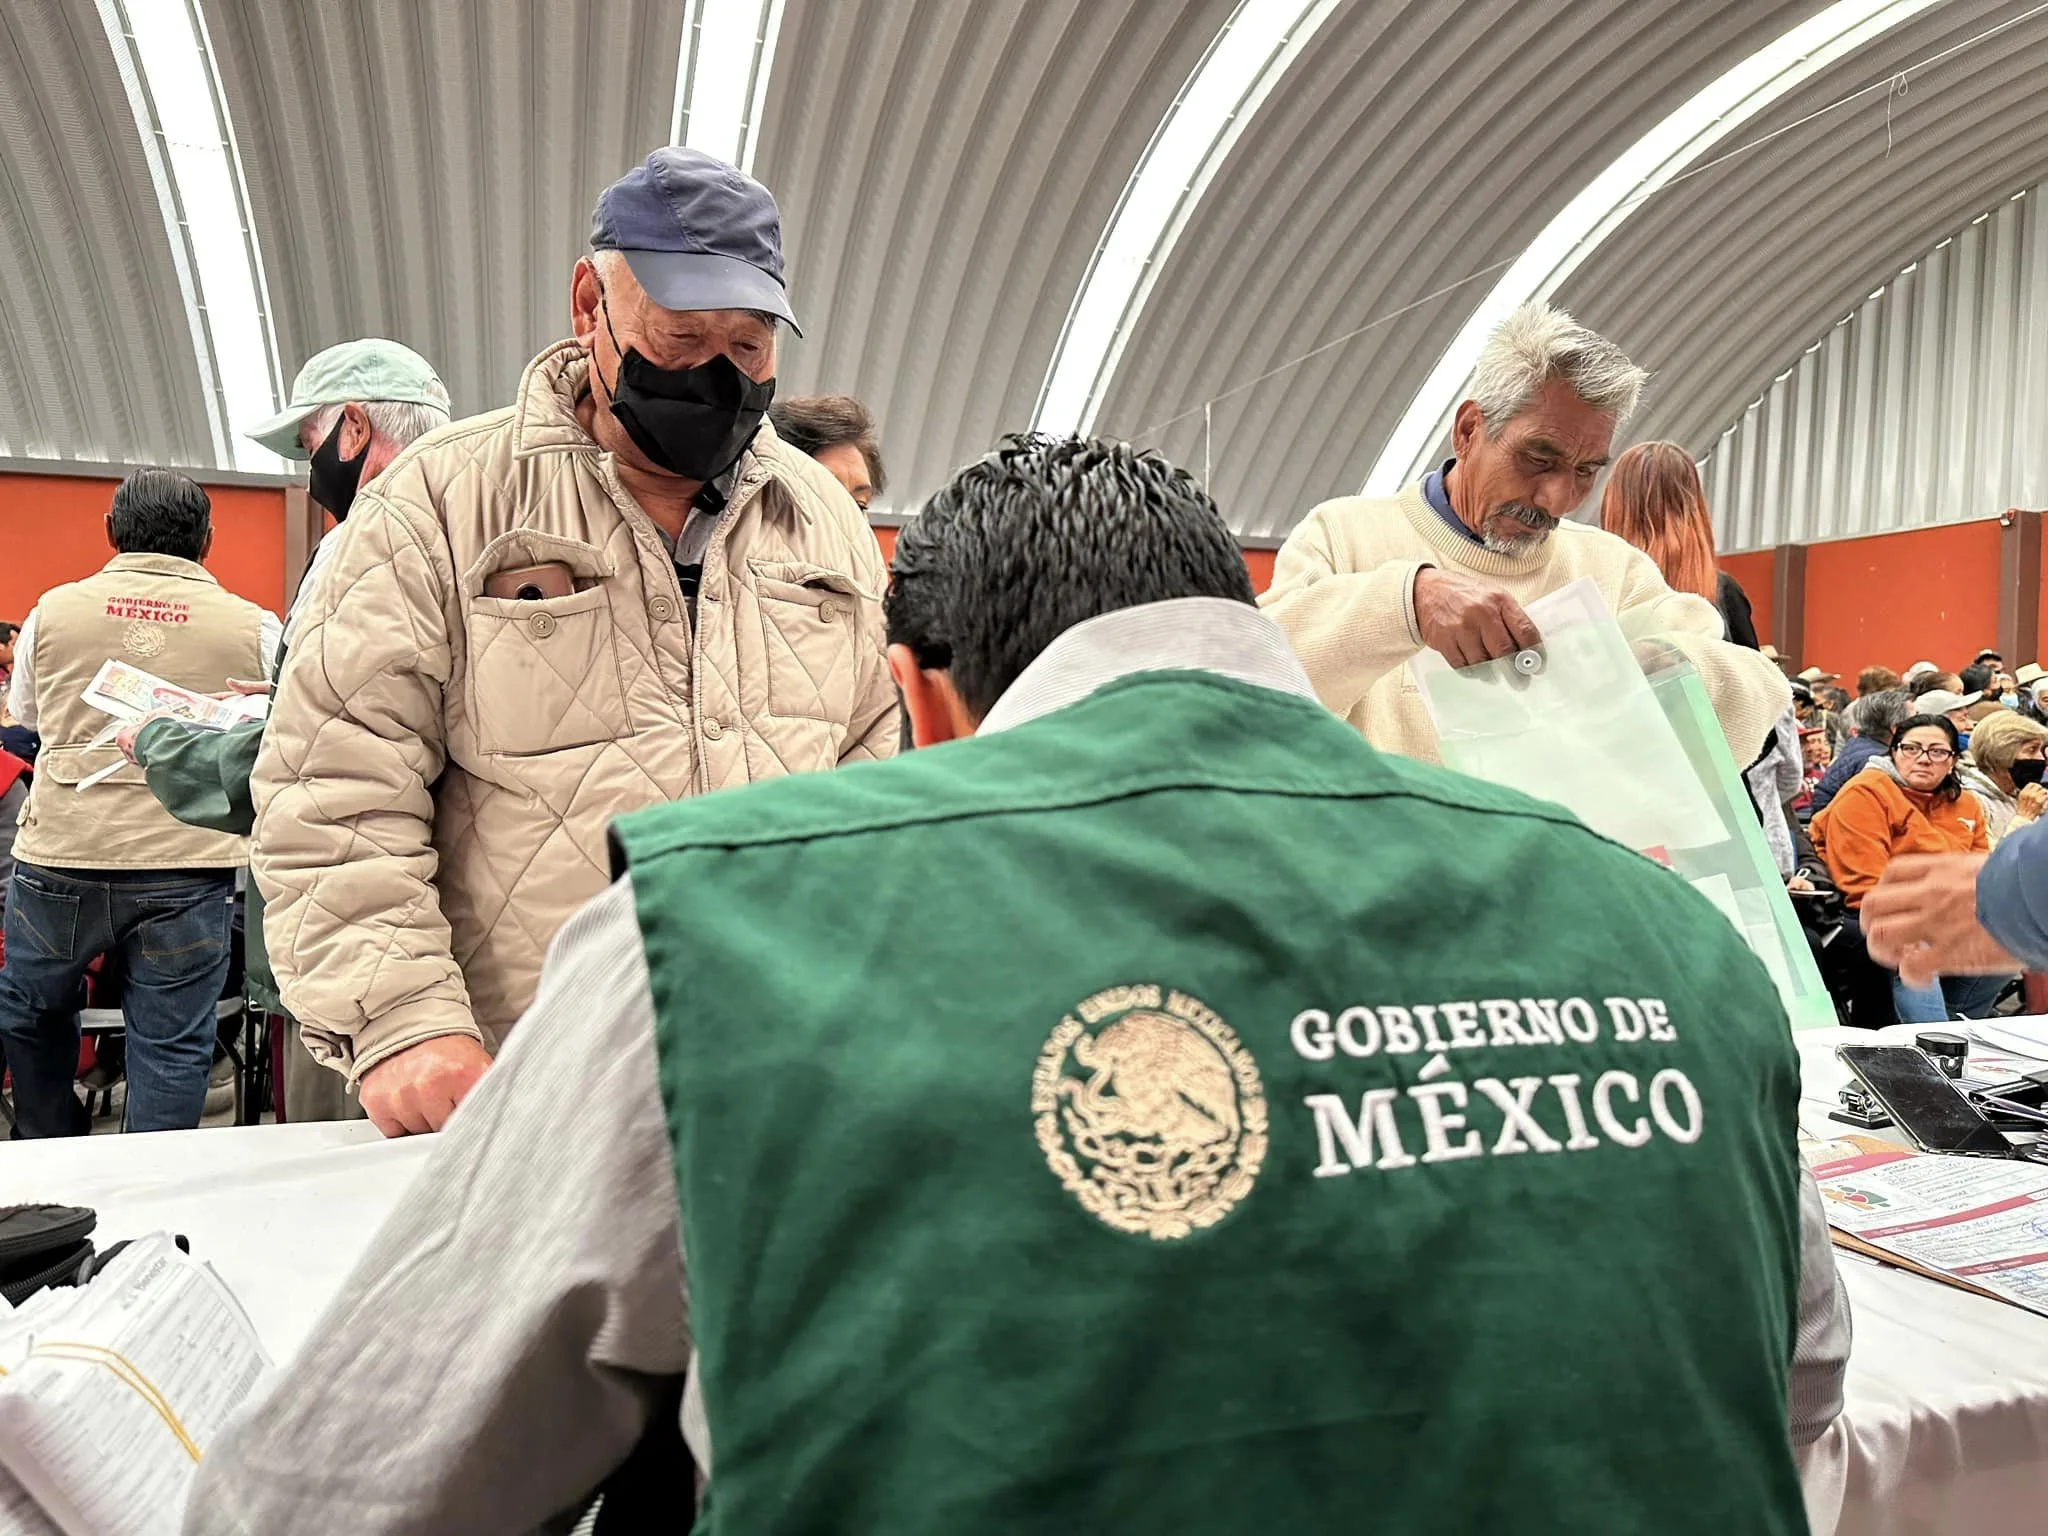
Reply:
x=693, y=632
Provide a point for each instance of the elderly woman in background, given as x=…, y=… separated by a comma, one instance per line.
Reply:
x=1909, y=801
x=2008, y=755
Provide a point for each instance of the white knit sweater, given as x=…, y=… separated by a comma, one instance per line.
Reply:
x=1344, y=590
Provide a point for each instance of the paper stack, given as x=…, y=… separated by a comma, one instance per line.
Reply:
x=111, y=1392
x=1976, y=1223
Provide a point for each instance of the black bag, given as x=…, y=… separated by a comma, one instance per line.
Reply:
x=43, y=1245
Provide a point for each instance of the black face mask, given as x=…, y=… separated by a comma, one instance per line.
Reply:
x=2027, y=770
x=692, y=422
x=331, y=480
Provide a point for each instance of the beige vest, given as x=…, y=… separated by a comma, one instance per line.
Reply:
x=169, y=617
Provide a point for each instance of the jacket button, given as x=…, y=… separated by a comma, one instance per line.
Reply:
x=713, y=730
x=827, y=612
x=543, y=625
x=662, y=609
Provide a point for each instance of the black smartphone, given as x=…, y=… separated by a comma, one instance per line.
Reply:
x=1923, y=1101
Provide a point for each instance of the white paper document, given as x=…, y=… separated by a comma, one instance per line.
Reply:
x=1981, y=1221
x=129, y=693
x=113, y=1391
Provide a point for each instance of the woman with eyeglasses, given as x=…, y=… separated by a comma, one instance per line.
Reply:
x=1910, y=801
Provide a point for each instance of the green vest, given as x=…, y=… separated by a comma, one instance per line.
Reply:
x=1172, y=1115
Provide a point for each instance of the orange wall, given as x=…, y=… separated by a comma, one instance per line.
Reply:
x=1258, y=561
x=1757, y=575
x=1892, y=598
x=1898, y=598
x=2041, y=629
x=53, y=530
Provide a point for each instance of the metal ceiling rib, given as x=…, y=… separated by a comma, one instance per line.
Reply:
x=944, y=173
x=1375, y=177
x=1755, y=259
x=426, y=172
x=96, y=360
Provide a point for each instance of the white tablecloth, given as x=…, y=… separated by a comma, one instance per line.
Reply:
x=1946, y=1428
x=281, y=1211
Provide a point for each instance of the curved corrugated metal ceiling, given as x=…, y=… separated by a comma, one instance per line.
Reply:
x=1756, y=258
x=1923, y=405
x=1677, y=148
x=96, y=359
x=174, y=98
x=946, y=172
x=426, y=171
x=1395, y=161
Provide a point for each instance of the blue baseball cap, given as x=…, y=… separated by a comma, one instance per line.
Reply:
x=697, y=234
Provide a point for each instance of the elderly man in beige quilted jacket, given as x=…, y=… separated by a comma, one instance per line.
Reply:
x=621, y=590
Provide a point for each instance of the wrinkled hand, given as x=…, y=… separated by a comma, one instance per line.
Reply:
x=125, y=737
x=1467, y=620
x=416, y=1091
x=2032, y=802
x=1922, y=920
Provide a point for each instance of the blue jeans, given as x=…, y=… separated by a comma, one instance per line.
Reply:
x=170, y=928
x=1951, y=997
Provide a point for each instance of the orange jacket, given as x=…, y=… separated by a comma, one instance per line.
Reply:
x=1875, y=817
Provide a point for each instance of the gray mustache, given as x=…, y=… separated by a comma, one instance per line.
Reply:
x=1529, y=517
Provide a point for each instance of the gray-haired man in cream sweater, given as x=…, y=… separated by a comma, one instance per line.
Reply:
x=1362, y=584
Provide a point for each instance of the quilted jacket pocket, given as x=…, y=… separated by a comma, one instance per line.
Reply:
x=544, y=676
x=809, y=623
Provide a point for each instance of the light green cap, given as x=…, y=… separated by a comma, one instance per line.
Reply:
x=362, y=371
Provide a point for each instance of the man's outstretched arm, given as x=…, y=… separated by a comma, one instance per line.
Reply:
x=496, y=1352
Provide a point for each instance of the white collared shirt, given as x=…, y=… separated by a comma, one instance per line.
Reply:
x=520, y=1300
x=494, y=1241
x=1198, y=634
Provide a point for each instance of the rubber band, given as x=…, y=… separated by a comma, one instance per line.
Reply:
x=125, y=1371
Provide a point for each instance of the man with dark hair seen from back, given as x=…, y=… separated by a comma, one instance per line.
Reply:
x=1073, y=1036
x=105, y=869
x=839, y=432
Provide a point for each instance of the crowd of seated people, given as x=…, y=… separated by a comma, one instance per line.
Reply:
x=1924, y=762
